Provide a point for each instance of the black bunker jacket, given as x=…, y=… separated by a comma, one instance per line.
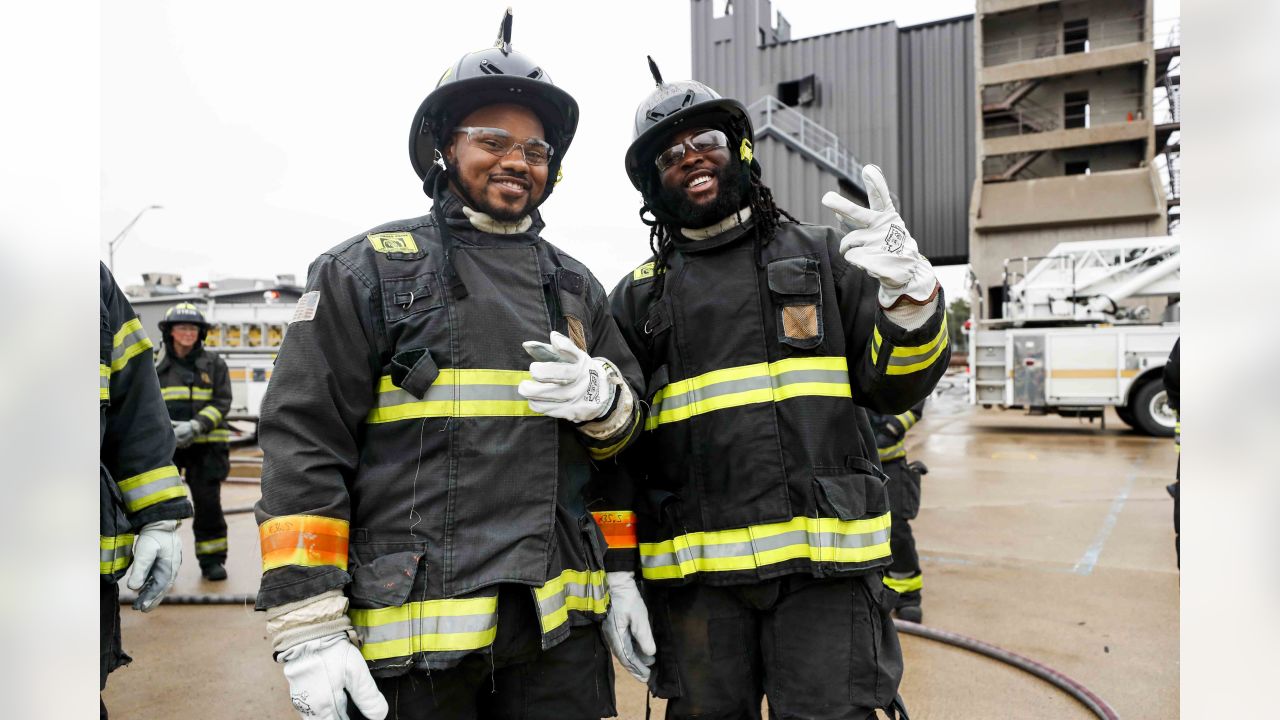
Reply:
x=399, y=459
x=757, y=461
x=197, y=387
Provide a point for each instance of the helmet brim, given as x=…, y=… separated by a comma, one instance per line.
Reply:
x=720, y=114
x=556, y=108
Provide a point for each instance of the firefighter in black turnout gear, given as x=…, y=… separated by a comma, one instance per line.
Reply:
x=436, y=539
x=197, y=391
x=141, y=497
x=903, y=575
x=762, y=513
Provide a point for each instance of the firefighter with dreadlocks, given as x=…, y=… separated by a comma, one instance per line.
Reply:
x=762, y=514
x=197, y=392
x=903, y=576
x=435, y=536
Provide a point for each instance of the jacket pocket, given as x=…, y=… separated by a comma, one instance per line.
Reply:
x=403, y=297
x=572, y=294
x=851, y=492
x=383, y=573
x=795, y=285
x=414, y=370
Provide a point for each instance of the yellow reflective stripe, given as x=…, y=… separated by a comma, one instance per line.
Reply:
x=151, y=487
x=208, y=547
x=426, y=626
x=456, y=392
x=104, y=381
x=220, y=435
x=604, y=453
x=176, y=392
x=114, y=553
x=750, y=548
x=893, y=452
x=129, y=342
x=738, y=386
x=907, y=359
x=904, y=585
x=212, y=413
x=580, y=590
x=907, y=419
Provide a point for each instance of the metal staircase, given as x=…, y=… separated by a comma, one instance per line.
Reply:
x=770, y=116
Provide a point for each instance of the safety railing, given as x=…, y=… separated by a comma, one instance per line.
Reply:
x=1032, y=46
x=771, y=113
x=1167, y=32
x=1028, y=117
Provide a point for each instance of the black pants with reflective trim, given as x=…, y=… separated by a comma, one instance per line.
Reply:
x=110, y=653
x=205, y=467
x=904, y=505
x=571, y=681
x=818, y=649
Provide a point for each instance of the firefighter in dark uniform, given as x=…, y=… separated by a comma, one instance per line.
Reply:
x=141, y=497
x=903, y=575
x=434, y=532
x=762, y=514
x=197, y=390
x=1173, y=387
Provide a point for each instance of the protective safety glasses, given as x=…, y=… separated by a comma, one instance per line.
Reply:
x=704, y=141
x=500, y=143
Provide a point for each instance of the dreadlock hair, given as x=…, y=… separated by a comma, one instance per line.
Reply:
x=764, y=212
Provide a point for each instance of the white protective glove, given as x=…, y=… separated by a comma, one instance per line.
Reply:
x=626, y=627
x=320, y=670
x=881, y=244
x=157, y=555
x=578, y=387
x=185, y=432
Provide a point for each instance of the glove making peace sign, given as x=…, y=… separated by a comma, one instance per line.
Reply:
x=881, y=245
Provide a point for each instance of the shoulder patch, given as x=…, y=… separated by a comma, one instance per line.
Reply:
x=306, y=308
x=644, y=272
x=393, y=242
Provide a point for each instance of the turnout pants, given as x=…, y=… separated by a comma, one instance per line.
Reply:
x=205, y=467
x=110, y=653
x=904, y=574
x=518, y=681
x=819, y=649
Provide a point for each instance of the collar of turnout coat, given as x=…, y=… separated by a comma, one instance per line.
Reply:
x=735, y=232
x=451, y=207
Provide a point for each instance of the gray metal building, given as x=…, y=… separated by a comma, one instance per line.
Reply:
x=902, y=98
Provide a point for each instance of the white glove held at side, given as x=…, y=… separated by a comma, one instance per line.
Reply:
x=157, y=555
x=579, y=388
x=881, y=244
x=626, y=627
x=185, y=431
x=320, y=670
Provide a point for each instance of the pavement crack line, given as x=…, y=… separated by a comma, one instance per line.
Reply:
x=1089, y=559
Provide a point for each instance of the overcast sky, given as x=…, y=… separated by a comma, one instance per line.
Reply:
x=271, y=131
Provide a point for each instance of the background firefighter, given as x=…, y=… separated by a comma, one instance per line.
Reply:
x=903, y=575
x=763, y=520
x=196, y=386
x=141, y=497
x=436, y=540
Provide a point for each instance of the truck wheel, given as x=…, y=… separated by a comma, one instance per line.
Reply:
x=1151, y=411
x=1126, y=414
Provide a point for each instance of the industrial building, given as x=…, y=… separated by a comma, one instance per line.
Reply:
x=902, y=98
x=1068, y=129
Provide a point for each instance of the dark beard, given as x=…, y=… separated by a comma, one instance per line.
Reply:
x=500, y=214
x=728, y=199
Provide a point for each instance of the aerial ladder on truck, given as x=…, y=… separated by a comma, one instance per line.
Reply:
x=1068, y=343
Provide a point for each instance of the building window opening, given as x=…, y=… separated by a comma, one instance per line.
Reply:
x=798, y=92
x=1075, y=109
x=1075, y=36
x=1076, y=167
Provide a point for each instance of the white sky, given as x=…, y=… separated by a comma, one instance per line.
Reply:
x=272, y=131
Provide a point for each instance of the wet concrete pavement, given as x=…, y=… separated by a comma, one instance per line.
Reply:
x=1043, y=535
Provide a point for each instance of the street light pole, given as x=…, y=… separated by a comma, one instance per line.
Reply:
x=119, y=238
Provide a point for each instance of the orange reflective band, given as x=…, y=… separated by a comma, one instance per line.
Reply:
x=305, y=540
x=619, y=528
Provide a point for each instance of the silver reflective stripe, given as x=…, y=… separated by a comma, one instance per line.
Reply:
x=594, y=593
x=135, y=495
x=430, y=625
x=761, y=382
x=720, y=551
x=208, y=547
x=896, y=359
x=450, y=392
x=126, y=343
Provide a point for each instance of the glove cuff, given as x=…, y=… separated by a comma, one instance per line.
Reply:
x=315, y=617
x=912, y=315
x=621, y=408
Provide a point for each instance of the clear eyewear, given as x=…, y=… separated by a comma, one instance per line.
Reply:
x=705, y=141
x=500, y=143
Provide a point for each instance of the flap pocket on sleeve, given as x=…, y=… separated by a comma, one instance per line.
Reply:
x=382, y=574
x=414, y=370
x=795, y=276
x=402, y=297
